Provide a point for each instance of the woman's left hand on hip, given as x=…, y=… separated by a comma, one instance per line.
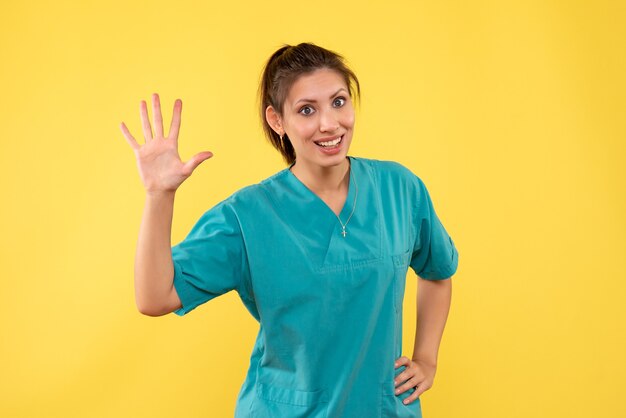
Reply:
x=418, y=374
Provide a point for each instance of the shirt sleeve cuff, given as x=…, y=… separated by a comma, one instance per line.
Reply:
x=443, y=272
x=183, y=289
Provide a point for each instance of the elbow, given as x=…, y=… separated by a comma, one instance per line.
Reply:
x=160, y=304
x=146, y=310
x=149, y=312
x=149, y=309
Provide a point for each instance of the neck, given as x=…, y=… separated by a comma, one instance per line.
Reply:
x=323, y=179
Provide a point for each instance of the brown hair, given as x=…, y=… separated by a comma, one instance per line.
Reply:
x=282, y=70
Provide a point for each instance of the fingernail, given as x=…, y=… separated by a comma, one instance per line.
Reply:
x=405, y=402
x=397, y=391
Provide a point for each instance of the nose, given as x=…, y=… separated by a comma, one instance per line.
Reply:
x=328, y=121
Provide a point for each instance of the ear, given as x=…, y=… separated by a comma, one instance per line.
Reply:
x=274, y=120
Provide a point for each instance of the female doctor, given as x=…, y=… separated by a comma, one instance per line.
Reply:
x=318, y=252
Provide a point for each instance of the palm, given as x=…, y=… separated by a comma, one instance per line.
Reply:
x=160, y=166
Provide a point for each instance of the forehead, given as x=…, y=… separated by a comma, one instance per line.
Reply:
x=317, y=85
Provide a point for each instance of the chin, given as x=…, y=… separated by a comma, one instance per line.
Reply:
x=333, y=159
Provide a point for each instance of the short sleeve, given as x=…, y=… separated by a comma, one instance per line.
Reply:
x=435, y=256
x=211, y=260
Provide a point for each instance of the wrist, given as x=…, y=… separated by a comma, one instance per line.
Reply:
x=429, y=360
x=160, y=194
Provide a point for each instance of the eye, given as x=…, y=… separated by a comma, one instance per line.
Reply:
x=304, y=108
x=342, y=101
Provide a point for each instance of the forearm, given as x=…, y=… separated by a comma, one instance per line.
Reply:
x=433, y=305
x=154, y=269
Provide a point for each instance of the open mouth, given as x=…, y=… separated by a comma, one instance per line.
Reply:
x=330, y=144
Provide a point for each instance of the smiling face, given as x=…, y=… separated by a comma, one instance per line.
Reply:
x=318, y=109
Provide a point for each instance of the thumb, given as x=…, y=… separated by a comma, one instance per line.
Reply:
x=195, y=161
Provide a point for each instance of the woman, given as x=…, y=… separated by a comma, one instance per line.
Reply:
x=318, y=253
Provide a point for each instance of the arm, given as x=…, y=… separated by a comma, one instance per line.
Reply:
x=155, y=294
x=435, y=260
x=162, y=172
x=433, y=305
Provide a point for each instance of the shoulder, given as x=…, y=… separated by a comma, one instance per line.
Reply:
x=388, y=170
x=254, y=197
x=244, y=197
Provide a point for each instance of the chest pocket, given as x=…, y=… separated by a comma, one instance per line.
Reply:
x=400, y=267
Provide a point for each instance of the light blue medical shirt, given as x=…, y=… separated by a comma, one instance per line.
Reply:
x=329, y=306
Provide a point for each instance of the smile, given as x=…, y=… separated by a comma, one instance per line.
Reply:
x=330, y=144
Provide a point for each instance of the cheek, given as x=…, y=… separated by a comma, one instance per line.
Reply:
x=346, y=116
x=347, y=119
x=306, y=129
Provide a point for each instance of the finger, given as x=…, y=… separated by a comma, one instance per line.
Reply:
x=404, y=360
x=420, y=389
x=175, y=125
x=412, y=397
x=404, y=374
x=195, y=161
x=400, y=378
x=145, y=122
x=411, y=383
x=158, y=118
x=129, y=138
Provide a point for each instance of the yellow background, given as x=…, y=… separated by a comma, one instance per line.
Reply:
x=513, y=113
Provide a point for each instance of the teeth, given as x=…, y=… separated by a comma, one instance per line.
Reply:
x=330, y=143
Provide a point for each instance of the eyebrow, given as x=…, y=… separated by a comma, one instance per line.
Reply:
x=313, y=101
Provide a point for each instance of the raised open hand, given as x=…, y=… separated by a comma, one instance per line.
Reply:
x=160, y=166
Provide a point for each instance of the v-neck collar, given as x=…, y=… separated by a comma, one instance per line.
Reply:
x=314, y=229
x=348, y=206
